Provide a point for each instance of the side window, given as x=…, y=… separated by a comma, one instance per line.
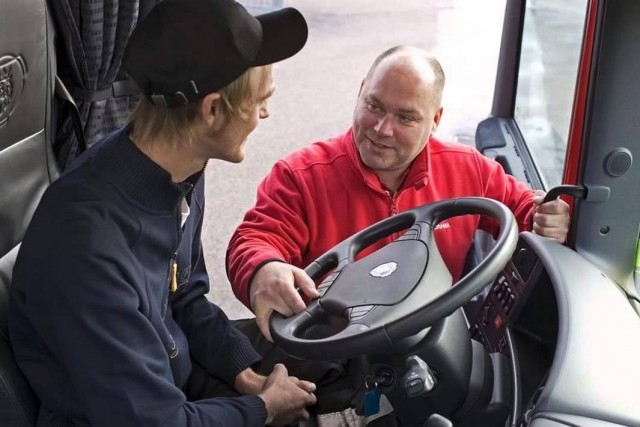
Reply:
x=551, y=42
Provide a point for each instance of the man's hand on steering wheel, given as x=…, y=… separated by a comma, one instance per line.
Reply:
x=273, y=288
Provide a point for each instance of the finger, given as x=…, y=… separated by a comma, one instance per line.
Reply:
x=307, y=386
x=562, y=207
x=553, y=233
x=311, y=399
x=262, y=320
x=544, y=220
x=293, y=300
x=304, y=415
x=550, y=223
x=552, y=219
x=543, y=230
x=558, y=207
x=280, y=369
x=538, y=196
x=304, y=282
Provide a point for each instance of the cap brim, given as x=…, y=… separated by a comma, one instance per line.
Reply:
x=284, y=33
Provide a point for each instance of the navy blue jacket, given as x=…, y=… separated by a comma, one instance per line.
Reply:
x=93, y=324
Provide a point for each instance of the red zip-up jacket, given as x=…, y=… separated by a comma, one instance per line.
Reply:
x=323, y=193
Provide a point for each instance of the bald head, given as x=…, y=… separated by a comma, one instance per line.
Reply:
x=397, y=111
x=415, y=60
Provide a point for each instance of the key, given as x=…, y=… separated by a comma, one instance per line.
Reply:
x=371, y=396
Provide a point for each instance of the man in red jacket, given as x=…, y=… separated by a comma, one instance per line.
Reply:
x=388, y=162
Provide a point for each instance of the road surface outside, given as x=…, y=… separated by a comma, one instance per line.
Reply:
x=316, y=92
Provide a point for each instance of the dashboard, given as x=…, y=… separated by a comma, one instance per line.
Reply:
x=570, y=335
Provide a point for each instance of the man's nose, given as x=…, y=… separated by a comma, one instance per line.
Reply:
x=384, y=126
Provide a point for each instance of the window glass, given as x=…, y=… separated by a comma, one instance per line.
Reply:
x=551, y=46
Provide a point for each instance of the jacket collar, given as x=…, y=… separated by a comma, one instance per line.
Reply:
x=122, y=162
x=417, y=177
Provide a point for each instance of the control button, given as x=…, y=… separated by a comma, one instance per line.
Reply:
x=418, y=379
x=409, y=235
x=497, y=321
x=515, y=277
x=414, y=387
x=484, y=318
x=323, y=288
x=502, y=343
x=360, y=312
x=330, y=278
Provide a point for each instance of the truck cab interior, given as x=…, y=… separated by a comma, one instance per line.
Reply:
x=555, y=338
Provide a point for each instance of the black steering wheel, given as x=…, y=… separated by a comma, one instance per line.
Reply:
x=368, y=306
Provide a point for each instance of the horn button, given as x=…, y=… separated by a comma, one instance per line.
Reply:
x=385, y=277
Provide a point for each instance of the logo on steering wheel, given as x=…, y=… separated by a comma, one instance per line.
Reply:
x=384, y=270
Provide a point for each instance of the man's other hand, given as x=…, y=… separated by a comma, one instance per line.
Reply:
x=286, y=397
x=550, y=219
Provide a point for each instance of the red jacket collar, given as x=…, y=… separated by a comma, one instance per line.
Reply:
x=417, y=177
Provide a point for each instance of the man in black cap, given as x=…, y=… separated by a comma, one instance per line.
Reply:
x=108, y=317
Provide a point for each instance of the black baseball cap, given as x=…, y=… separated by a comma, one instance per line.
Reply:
x=185, y=49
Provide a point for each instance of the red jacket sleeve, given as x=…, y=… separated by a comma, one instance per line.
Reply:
x=274, y=229
x=499, y=185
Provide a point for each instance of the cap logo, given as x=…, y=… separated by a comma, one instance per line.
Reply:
x=12, y=75
x=384, y=270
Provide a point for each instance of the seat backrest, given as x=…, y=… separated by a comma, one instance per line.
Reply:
x=27, y=166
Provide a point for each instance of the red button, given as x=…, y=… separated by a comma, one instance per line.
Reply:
x=497, y=321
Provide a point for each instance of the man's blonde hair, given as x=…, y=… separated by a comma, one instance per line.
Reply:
x=150, y=121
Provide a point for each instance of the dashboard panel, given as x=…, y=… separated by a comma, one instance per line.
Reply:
x=570, y=334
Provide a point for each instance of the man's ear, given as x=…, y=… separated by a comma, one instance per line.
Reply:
x=436, y=119
x=211, y=108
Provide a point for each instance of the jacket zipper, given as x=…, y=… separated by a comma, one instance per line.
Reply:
x=392, y=199
x=393, y=209
x=172, y=280
x=173, y=264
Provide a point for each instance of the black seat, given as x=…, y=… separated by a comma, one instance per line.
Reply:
x=40, y=126
x=27, y=166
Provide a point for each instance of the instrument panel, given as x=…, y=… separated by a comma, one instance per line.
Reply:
x=505, y=299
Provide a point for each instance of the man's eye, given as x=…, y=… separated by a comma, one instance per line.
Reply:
x=373, y=107
x=406, y=119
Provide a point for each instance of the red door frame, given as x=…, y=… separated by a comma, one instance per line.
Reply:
x=578, y=116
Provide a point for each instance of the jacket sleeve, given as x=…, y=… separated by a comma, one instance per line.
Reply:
x=213, y=341
x=505, y=188
x=275, y=229
x=82, y=300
